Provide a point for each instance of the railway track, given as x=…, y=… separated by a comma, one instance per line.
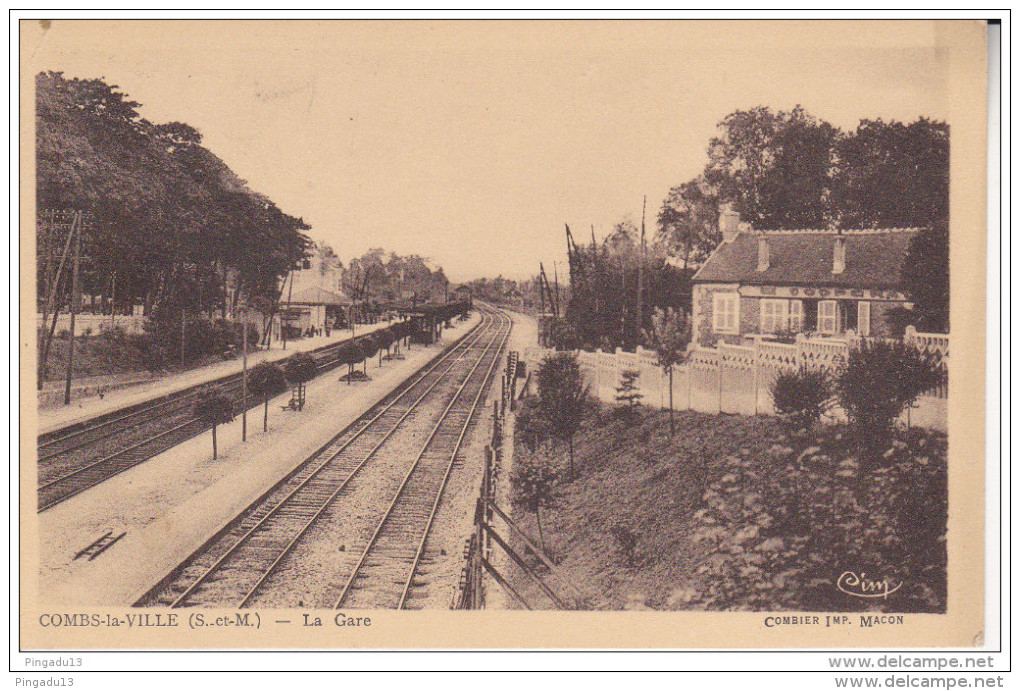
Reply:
x=80, y=456
x=322, y=535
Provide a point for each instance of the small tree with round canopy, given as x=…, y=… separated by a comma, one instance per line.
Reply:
x=350, y=355
x=384, y=337
x=215, y=407
x=266, y=379
x=369, y=346
x=300, y=369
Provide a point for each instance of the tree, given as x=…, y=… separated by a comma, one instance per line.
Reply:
x=561, y=397
x=669, y=336
x=266, y=379
x=369, y=347
x=172, y=220
x=925, y=277
x=299, y=370
x=350, y=354
x=877, y=382
x=688, y=222
x=535, y=483
x=777, y=166
x=893, y=175
x=627, y=390
x=213, y=406
x=384, y=338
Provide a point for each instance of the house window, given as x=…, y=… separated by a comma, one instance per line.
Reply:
x=774, y=316
x=828, y=316
x=796, y=316
x=726, y=312
x=864, y=318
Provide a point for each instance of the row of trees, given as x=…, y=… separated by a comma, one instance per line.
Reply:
x=268, y=379
x=172, y=223
x=388, y=277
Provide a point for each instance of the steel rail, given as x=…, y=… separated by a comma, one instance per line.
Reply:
x=232, y=380
x=407, y=477
x=420, y=551
x=463, y=347
x=176, y=397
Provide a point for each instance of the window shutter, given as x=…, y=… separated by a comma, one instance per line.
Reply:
x=766, y=316
x=864, y=318
x=827, y=316
x=796, y=316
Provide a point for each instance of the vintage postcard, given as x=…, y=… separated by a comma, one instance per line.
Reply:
x=502, y=334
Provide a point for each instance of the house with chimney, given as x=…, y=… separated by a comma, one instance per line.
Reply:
x=779, y=283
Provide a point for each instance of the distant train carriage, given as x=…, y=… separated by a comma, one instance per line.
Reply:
x=462, y=294
x=427, y=321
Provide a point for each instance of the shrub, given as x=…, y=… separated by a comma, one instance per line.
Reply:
x=802, y=395
x=778, y=537
x=369, y=345
x=264, y=380
x=561, y=397
x=215, y=407
x=627, y=390
x=878, y=380
x=300, y=368
x=529, y=427
x=535, y=484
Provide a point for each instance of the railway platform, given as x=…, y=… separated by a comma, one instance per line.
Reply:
x=80, y=410
x=168, y=506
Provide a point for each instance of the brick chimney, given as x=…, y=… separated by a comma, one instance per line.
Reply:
x=729, y=223
x=763, y=253
x=839, y=254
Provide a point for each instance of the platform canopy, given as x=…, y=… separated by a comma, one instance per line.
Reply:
x=319, y=296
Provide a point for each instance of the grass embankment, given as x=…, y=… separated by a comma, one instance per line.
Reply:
x=738, y=512
x=94, y=356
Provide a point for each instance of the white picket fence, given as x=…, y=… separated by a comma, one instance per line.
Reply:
x=737, y=378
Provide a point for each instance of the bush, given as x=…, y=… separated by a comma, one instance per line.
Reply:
x=214, y=406
x=627, y=390
x=300, y=368
x=802, y=395
x=384, y=337
x=779, y=536
x=875, y=384
x=266, y=378
x=529, y=427
x=369, y=346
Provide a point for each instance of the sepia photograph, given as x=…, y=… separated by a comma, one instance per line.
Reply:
x=502, y=334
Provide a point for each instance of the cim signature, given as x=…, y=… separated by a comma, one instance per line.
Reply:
x=862, y=586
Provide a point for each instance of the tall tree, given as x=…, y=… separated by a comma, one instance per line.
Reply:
x=893, y=175
x=777, y=166
x=925, y=277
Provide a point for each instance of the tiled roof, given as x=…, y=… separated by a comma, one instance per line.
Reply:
x=804, y=257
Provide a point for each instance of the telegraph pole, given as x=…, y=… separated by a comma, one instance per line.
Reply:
x=244, y=373
x=75, y=299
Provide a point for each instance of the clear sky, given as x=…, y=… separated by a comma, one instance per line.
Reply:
x=473, y=143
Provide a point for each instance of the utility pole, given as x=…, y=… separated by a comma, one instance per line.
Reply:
x=641, y=273
x=182, y=335
x=244, y=373
x=75, y=299
x=290, y=294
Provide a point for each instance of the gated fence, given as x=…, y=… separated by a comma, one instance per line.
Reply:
x=737, y=378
